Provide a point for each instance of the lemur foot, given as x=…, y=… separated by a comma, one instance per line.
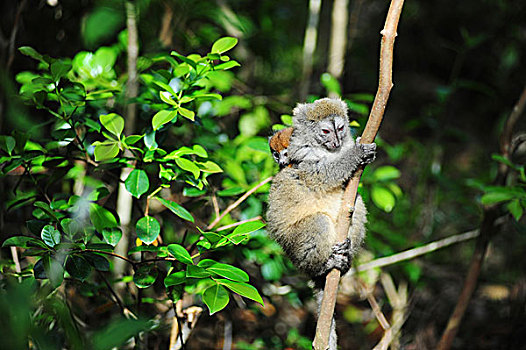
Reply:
x=340, y=257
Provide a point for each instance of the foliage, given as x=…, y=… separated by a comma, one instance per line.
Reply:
x=74, y=232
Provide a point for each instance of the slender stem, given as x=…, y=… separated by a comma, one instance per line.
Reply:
x=238, y=202
x=226, y=227
x=117, y=299
x=133, y=263
x=415, y=252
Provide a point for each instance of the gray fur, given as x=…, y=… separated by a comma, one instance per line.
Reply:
x=305, y=199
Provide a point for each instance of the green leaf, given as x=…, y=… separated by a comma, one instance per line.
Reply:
x=210, y=167
x=497, y=197
x=386, y=173
x=112, y=235
x=137, y=183
x=50, y=235
x=227, y=65
x=188, y=165
x=216, y=298
x=175, y=279
x=243, y=289
x=228, y=271
x=101, y=217
x=24, y=242
x=200, y=151
x=105, y=150
x=223, y=45
x=132, y=139
x=248, y=227
x=383, y=198
x=515, y=209
x=145, y=276
x=113, y=122
x=162, y=117
x=188, y=114
x=99, y=262
x=31, y=52
x=193, y=271
x=167, y=98
x=180, y=253
x=231, y=191
x=78, y=267
x=148, y=229
x=70, y=227
x=7, y=143
x=59, y=69
x=176, y=209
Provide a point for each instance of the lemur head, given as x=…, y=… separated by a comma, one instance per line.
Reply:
x=323, y=122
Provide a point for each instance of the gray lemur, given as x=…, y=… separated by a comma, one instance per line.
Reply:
x=305, y=197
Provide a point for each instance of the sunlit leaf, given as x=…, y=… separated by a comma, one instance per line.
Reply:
x=137, y=183
x=162, y=117
x=50, y=235
x=216, y=298
x=243, y=289
x=228, y=271
x=180, y=253
x=113, y=122
x=383, y=198
x=177, y=209
x=148, y=229
x=223, y=45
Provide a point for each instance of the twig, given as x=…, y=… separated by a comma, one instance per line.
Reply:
x=398, y=301
x=18, y=269
x=226, y=227
x=215, y=204
x=117, y=299
x=414, y=252
x=133, y=263
x=238, y=202
x=486, y=230
x=321, y=339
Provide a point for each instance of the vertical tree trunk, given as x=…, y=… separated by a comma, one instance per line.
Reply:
x=124, y=198
x=309, y=44
x=338, y=40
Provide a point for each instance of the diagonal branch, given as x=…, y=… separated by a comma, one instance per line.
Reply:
x=321, y=339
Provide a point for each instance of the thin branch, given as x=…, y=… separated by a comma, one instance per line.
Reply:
x=133, y=263
x=238, y=202
x=226, y=227
x=115, y=296
x=309, y=45
x=414, y=252
x=321, y=339
x=215, y=204
x=487, y=228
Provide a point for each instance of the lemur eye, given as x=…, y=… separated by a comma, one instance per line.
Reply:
x=325, y=131
x=340, y=128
